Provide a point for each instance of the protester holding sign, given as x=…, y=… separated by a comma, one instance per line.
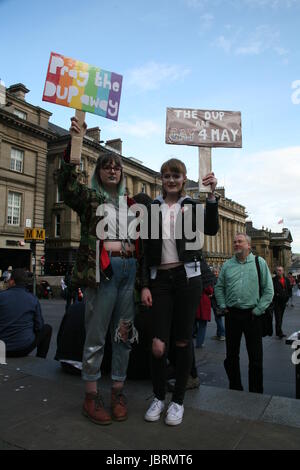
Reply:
x=171, y=281
x=107, y=268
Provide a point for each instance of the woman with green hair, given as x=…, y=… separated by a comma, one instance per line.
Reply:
x=106, y=266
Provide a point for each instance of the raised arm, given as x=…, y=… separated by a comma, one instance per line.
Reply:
x=75, y=194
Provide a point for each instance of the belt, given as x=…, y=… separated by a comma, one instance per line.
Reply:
x=122, y=254
x=237, y=309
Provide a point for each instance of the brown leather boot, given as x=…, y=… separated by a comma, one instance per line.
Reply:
x=93, y=409
x=118, y=405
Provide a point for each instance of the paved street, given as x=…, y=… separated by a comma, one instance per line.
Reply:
x=279, y=372
x=42, y=404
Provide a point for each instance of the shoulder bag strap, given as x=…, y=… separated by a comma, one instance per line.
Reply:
x=258, y=273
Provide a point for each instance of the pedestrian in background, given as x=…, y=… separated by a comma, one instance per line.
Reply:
x=22, y=326
x=282, y=293
x=220, y=333
x=293, y=284
x=203, y=315
x=237, y=292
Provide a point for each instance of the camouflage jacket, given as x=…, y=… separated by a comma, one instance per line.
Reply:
x=84, y=201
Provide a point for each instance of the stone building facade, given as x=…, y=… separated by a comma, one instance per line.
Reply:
x=232, y=219
x=274, y=247
x=24, y=137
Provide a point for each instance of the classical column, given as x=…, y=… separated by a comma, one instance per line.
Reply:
x=213, y=245
x=130, y=185
x=224, y=225
x=205, y=248
x=222, y=233
x=136, y=186
x=230, y=237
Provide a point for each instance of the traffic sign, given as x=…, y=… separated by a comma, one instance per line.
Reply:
x=34, y=234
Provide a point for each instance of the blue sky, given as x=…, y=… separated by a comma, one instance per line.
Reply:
x=239, y=55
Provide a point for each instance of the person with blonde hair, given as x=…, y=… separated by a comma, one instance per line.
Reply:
x=171, y=281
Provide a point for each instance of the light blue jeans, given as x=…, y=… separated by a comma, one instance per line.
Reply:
x=201, y=332
x=220, y=326
x=112, y=303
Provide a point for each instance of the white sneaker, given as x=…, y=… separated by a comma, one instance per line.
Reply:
x=174, y=414
x=154, y=411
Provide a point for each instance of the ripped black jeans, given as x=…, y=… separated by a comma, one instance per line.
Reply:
x=111, y=303
x=175, y=301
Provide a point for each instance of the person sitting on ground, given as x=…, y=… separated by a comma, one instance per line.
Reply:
x=22, y=327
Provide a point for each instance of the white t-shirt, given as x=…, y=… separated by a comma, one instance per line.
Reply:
x=169, y=251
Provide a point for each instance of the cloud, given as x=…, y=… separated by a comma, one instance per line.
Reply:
x=270, y=3
x=267, y=183
x=223, y=43
x=140, y=129
x=206, y=22
x=273, y=4
x=263, y=38
x=195, y=3
x=152, y=75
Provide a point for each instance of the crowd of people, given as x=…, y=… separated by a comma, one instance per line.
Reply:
x=146, y=298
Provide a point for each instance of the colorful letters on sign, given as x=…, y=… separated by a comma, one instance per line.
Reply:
x=81, y=86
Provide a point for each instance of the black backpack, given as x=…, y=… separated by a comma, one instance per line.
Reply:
x=267, y=317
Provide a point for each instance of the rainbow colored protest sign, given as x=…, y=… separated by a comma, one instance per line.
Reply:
x=81, y=86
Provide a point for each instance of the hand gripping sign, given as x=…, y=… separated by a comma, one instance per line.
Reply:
x=84, y=87
x=203, y=129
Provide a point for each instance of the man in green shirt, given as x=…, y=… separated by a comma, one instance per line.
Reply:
x=237, y=293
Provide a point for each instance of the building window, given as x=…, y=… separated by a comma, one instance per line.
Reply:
x=20, y=114
x=13, y=208
x=58, y=195
x=144, y=188
x=16, y=160
x=57, y=225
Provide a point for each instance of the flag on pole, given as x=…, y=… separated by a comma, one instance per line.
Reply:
x=280, y=221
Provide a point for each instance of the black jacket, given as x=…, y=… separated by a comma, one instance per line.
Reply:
x=152, y=248
x=281, y=294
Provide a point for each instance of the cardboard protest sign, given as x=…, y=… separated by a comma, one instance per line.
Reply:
x=203, y=128
x=82, y=86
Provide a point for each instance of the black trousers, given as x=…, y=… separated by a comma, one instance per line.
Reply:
x=42, y=343
x=279, y=308
x=237, y=322
x=175, y=300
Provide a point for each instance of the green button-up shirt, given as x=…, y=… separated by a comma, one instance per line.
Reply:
x=238, y=285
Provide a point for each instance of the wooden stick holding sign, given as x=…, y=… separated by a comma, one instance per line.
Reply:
x=77, y=139
x=205, y=167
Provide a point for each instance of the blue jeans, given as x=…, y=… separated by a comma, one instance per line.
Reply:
x=201, y=331
x=112, y=303
x=220, y=326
